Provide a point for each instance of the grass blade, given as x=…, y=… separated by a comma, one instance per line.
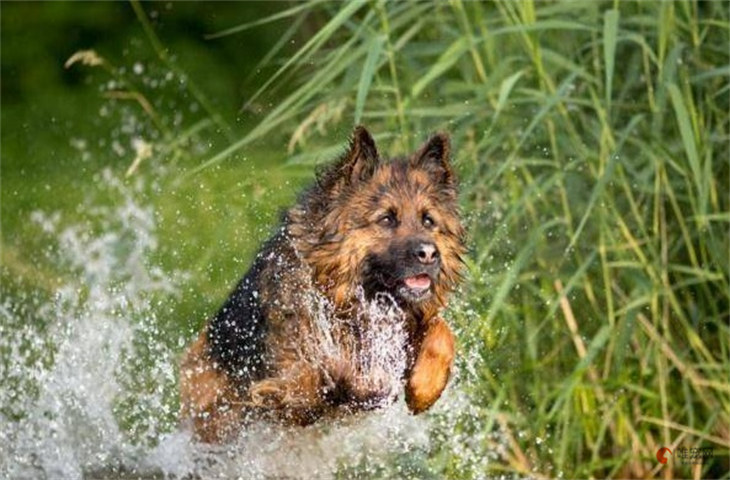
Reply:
x=375, y=50
x=690, y=145
x=610, y=34
x=504, y=90
x=312, y=45
x=444, y=62
x=290, y=12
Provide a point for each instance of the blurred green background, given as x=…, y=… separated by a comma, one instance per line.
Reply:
x=62, y=126
x=592, y=141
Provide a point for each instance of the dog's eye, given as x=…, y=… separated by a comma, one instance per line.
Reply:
x=387, y=220
x=428, y=221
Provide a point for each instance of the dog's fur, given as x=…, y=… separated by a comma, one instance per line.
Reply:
x=366, y=227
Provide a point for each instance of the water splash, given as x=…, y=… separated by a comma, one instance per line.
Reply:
x=89, y=379
x=66, y=364
x=372, y=346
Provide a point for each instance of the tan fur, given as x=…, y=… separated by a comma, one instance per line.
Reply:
x=208, y=398
x=432, y=368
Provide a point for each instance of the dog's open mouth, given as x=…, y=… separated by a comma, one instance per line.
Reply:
x=416, y=287
x=418, y=282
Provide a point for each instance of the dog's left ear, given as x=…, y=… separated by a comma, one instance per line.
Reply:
x=433, y=157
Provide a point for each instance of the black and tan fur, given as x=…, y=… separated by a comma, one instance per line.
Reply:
x=368, y=224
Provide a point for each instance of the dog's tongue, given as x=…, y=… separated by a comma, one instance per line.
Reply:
x=418, y=282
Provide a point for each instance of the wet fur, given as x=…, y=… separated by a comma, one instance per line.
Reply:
x=255, y=359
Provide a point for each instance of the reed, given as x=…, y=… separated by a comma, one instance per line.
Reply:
x=592, y=140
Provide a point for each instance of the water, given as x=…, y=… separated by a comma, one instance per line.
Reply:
x=373, y=345
x=70, y=368
x=90, y=388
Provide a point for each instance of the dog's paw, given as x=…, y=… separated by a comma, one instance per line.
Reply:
x=432, y=368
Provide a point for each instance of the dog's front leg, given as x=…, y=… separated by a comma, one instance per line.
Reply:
x=432, y=367
x=207, y=397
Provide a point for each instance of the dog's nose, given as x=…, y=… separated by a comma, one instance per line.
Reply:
x=427, y=253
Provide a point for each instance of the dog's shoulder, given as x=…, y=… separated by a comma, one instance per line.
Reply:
x=237, y=333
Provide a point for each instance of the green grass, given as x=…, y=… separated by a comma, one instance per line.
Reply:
x=592, y=142
x=592, y=138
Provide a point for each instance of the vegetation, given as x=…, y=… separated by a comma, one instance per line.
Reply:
x=592, y=138
x=592, y=143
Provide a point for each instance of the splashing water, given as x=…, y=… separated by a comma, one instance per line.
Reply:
x=67, y=369
x=89, y=381
x=372, y=345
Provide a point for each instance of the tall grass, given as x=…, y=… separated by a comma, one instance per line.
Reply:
x=592, y=140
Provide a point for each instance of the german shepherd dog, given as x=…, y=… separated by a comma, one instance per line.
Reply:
x=367, y=230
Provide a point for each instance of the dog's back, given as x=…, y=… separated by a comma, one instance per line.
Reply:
x=236, y=335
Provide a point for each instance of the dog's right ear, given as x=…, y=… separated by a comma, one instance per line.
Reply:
x=361, y=159
x=356, y=165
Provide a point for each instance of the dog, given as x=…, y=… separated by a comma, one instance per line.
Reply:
x=367, y=230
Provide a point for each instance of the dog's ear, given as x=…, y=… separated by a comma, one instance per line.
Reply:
x=356, y=165
x=361, y=159
x=433, y=157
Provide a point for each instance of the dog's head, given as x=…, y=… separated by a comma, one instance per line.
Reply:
x=389, y=226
